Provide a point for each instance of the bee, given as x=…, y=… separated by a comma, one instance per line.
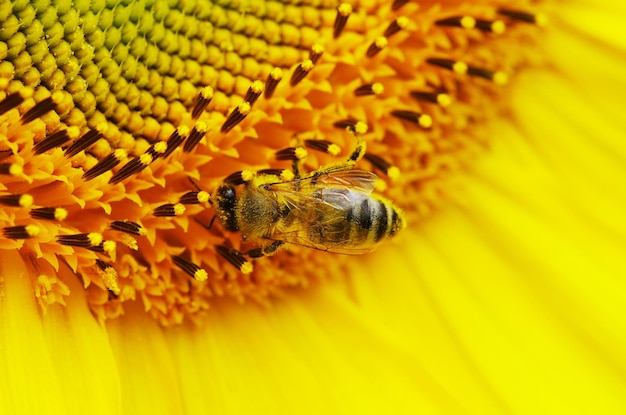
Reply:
x=333, y=209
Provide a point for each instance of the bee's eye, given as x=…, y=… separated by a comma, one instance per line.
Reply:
x=228, y=192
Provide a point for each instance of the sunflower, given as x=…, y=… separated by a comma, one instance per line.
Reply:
x=495, y=134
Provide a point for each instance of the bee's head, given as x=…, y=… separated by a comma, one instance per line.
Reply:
x=225, y=203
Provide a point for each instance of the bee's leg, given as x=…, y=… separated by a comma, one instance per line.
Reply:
x=266, y=250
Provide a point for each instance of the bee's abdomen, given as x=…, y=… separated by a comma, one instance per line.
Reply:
x=373, y=220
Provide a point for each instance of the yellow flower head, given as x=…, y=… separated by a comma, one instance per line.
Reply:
x=120, y=122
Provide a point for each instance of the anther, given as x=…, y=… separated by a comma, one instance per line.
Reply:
x=157, y=149
x=11, y=169
x=497, y=77
x=394, y=27
x=106, y=164
x=441, y=99
x=109, y=276
x=169, y=210
x=352, y=125
x=38, y=110
x=49, y=213
x=10, y=101
x=465, y=22
x=236, y=116
x=301, y=71
x=239, y=177
x=127, y=226
x=54, y=140
x=280, y=173
x=494, y=26
x=194, y=198
x=82, y=240
x=272, y=81
x=323, y=146
x=522, y=16
x=24, y=200
x=197, y=133
x=317, y=50
x=423, y=120
x=202, y=101
x=452, y=65
x=21, y=232
x=134, y=166
x=89, y=138
x=370, y=89
x=398, y=3
x=383, y=165
x=254, y=92
x=344, y=10
x=190, y=268
x=176, y=138
x=377, y=45
x=291, y=153
x=235, y=258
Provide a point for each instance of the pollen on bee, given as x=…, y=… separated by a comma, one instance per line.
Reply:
x=343, y=12
x=49, y=213
x=24, y=200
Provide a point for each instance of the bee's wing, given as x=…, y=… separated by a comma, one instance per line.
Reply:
x=355, y=179
x=318, y=222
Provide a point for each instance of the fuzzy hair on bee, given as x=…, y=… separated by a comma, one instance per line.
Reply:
x=332, y=209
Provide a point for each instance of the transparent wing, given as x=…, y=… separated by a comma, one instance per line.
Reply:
x=316, y=214
x=348, y=178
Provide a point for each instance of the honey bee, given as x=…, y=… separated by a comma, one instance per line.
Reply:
x=332, y=209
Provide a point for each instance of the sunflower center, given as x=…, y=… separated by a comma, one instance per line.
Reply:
x=118, y=125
